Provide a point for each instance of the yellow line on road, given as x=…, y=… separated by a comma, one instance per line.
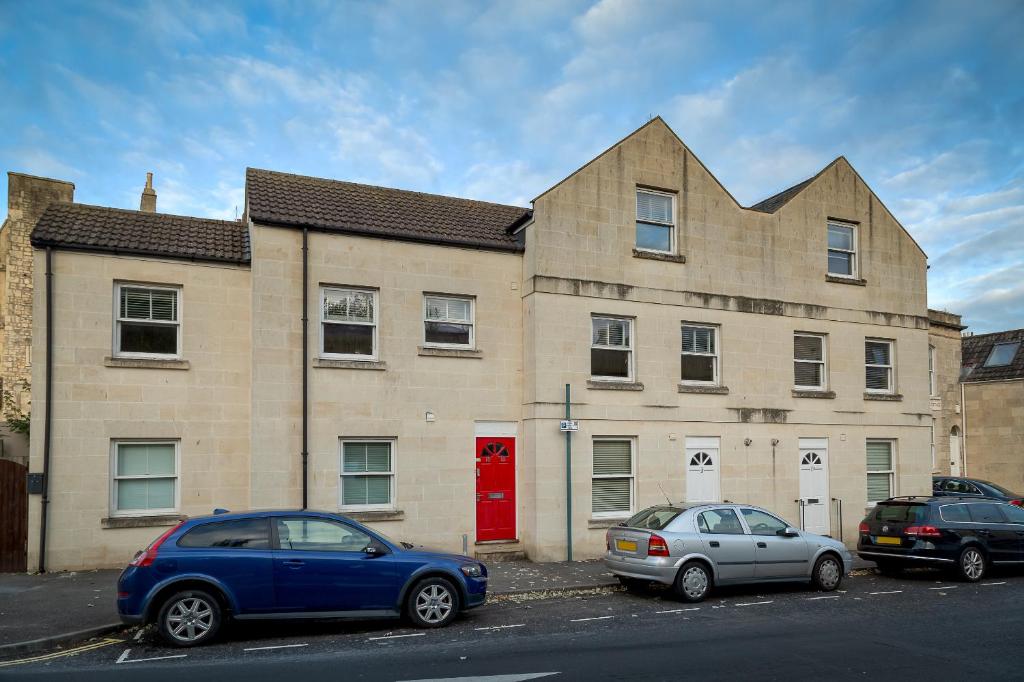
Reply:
x=60, y=654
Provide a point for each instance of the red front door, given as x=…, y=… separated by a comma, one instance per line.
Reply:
x=495, y=489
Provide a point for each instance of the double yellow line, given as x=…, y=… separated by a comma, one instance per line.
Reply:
x=60, y=654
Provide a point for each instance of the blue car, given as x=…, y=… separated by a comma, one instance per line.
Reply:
x=289, y=564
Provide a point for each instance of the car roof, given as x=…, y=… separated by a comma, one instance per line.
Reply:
x=262, y=514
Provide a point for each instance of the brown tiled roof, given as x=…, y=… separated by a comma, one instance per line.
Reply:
x=347, y=207
x=777, y=201
x=976, y=349
x=114, y=230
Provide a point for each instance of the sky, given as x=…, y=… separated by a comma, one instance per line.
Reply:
x=500, y=100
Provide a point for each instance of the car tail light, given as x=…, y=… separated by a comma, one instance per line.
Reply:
x=148, y=555
x=657, y=546
x=123, y=595
x=923, y=531
x=863, y=528
x=1017, y=503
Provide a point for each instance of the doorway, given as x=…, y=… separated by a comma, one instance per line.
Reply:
x=814, y=499
x=703, y=482
x=954, y=451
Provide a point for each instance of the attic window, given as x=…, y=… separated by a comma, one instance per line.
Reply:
x=842, y=250
x=1002, y=354
x=655, y=221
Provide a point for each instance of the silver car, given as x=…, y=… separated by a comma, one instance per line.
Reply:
x=695, y=547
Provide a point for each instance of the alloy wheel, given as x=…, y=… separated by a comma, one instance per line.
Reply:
x=189, y=619
x=973, y=564
x=695, y=582
x=434, y=603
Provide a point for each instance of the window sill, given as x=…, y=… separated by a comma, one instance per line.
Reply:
x=891, y=397
x=146, y=363
x=655, y=255
x=696, y=388
x=327, y=363
x=606, y=523
x=142, y=521
x=430, y=351
x=614, y=385
x=855, y=281
x=824, y=395
x=378, y=515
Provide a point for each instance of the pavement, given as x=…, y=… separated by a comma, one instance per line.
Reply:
x=47, y=611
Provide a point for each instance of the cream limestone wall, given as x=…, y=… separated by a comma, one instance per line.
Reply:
x=945, y=404
x=435, y=466
x=995, y=432
x=205, y=407
x=761, y=278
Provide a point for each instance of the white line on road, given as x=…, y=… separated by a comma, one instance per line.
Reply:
x=501, y=627
x=138, y=635
x=124, y=656
x=891, y=592
x=755, y=603
x=580, y=620
x=414, y=634
x=695, y=608
x=279, y=646
x=827, y=596
x=947, y=587
x=157, y=658
x=1002, y=583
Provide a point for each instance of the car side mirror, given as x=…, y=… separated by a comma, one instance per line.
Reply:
x=788, y=532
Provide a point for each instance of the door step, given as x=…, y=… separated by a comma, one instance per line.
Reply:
x=499, y=550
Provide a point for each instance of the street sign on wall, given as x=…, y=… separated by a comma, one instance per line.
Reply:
x=569, y=425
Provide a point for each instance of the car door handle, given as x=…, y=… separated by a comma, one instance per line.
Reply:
x=294, y=563
x=714, y=543
x=763, y=545
x=982, y=531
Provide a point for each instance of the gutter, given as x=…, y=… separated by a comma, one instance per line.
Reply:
x=48, y=414
x=305, y=368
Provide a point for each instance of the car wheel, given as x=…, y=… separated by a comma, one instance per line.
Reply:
x=189, y=618
x=634, y=584
x=432, y=603
x=888, y=568
x=828, y=573
x=971, y=564
x=693, y=582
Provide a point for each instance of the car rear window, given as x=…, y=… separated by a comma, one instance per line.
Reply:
x=240, y=534
x=654, y=518
x=901, y=513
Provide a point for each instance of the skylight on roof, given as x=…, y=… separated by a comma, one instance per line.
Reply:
x=1002, y=354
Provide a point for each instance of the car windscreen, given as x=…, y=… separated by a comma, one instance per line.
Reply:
x=654, y=518
x=898, y=512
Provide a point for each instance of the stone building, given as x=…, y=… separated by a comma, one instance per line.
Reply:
x=947, y=432
x=993, y=389
x=404, y=357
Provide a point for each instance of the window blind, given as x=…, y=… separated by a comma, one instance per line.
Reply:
x=698, y=340
x=342, y=305
x=149, y=304
x=808, y=348
x=367, y=457
x=877, y=352
x=655, y=208
x=879, y=456
x=447, y=309
x=610, y=495
x=611, y=332
x=612, y=458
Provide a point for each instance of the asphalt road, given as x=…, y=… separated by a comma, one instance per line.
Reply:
x=918, y=625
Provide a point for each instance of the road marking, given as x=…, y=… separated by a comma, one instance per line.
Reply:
x=947, y=587
x=279, y=646
x=156, y=658
x=580, y=620
x=695, y=608
x=138, y=635
x=827, y=596
x=501, y=627
x=1002, y=583
x=755, y=603
x=123, y=656
x=891, y=592
x=488, y=678
x=414, y=634
x=60, y=654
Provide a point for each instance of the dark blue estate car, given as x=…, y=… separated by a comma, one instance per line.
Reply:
x=289, y=564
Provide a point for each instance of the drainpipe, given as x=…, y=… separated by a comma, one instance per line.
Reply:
x=48, y=414
x=963, y=430
x=305, y=368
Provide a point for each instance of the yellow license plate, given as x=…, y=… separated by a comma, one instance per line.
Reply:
x=882, y=540
x=625, y=545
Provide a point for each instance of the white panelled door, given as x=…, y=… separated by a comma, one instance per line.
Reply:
x=814, y=485
x=702, y=474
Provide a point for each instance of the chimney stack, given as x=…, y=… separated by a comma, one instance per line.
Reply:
x=148, y=203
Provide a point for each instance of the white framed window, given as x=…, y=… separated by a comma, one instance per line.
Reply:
x=809, y=362
x=880, y=469
x=842, y=249
x=933, y=390
x=878, y=366
x=144, y=477
x=611, y=348
x=612, y=479
x=367, y=474
x=655, y=221
x=147, y=321
x=699, y=355
x=448, y=321
x=348, y=323
x=932, y=435
x=1002, y=354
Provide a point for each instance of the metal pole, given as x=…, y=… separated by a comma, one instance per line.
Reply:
x=568, y=481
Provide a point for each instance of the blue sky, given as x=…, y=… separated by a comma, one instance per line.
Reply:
x=498, y=101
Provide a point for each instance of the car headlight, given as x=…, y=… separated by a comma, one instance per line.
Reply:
x=472, y=570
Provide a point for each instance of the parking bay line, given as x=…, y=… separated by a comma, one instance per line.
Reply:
x=413, y=634
x=580, y=620
x=1002, y=583
x=827, y=596
x=947, y=587
x=891, y=592
x=279, y=646
x=696, y=608
x=124, y=658
x=501, y=627
x=755, y=603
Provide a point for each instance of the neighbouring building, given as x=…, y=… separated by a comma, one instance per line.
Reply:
x=404, y=357
x=944, y=359
x=993, y=389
